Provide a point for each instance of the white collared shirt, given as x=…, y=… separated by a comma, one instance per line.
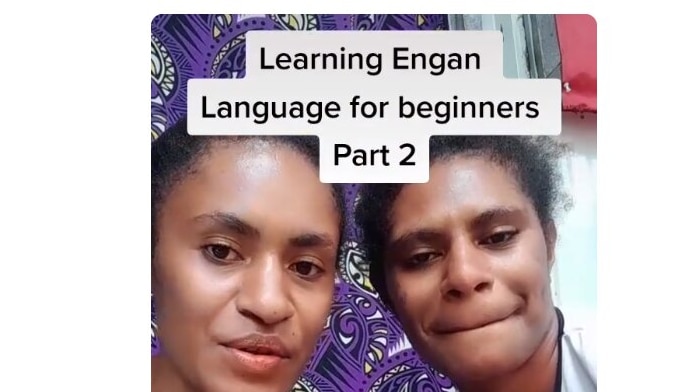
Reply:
x=579, y=355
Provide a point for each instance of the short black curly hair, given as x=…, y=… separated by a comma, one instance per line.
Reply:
x=533, y=160
x=175, y=154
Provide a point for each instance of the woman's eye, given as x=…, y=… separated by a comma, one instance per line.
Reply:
x=499, y=238
x=221, y=253
x=306, y=269
x=422, y=258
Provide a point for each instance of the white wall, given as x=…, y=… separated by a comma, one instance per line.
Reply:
x=575, y=273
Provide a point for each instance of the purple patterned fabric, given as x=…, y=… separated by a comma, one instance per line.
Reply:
x=363, y=348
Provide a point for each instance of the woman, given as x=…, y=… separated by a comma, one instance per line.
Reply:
x=245, y=240
x=465, y=259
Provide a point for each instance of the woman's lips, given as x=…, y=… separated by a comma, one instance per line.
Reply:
x=257, y=353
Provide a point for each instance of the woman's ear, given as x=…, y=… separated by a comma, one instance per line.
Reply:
x=551, y=237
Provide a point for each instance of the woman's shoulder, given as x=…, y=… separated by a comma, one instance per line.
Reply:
x=579, y=345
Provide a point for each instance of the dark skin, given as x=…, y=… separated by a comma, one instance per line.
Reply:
x=468, y=271
x=247, y=244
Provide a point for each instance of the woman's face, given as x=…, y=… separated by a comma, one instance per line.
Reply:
x=244, y=268
x=468, y=270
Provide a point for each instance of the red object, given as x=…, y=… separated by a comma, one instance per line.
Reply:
x=577, y=39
